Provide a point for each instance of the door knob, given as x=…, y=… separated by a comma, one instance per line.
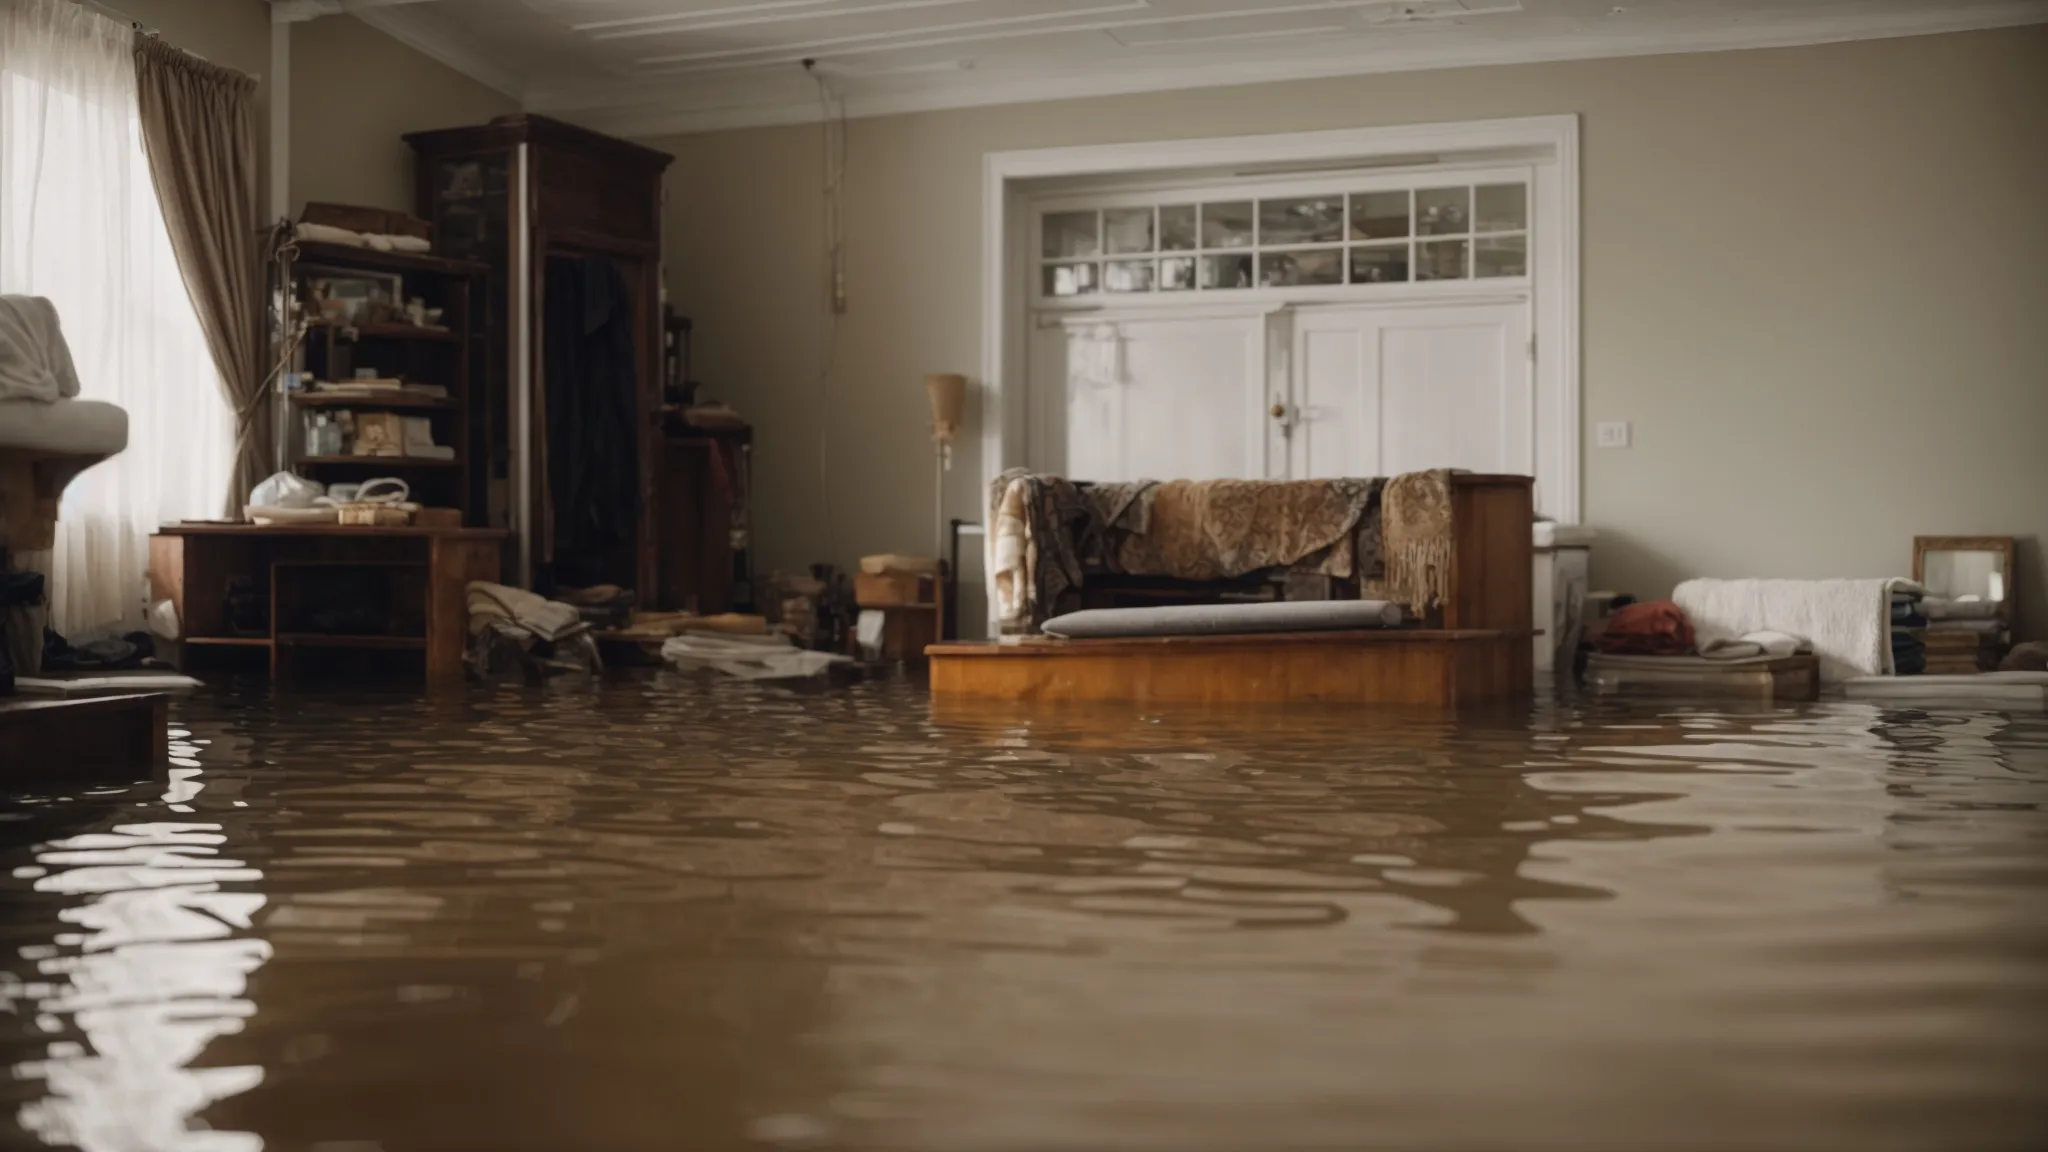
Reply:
x=1279, y=411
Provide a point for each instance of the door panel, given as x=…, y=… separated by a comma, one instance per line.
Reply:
x=1163, y=399
x=1336, y=406
x=1385, y=391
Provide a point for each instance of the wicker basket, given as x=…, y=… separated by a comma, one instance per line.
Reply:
x=379, y=503
x=375, y=515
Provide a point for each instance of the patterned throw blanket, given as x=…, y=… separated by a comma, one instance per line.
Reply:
x=1221, y=529
x=1048, y=534
x=1033, y=546
x=1418, y=528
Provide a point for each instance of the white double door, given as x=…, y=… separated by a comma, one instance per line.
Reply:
x=1300, y=393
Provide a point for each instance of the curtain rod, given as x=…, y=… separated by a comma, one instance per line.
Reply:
x=113, y=13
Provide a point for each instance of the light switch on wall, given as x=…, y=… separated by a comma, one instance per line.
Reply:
x=1611, y=434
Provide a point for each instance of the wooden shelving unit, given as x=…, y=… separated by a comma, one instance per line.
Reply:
x=527, y=194
x=448, y=356
x=391, y=462
x=343, y=640
x=371, y=260
x=395, y=403
x=391, y=332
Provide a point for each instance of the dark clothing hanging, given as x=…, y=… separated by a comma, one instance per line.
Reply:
x=592, y=397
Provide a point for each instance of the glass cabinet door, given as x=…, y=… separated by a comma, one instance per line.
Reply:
x=1071, y=234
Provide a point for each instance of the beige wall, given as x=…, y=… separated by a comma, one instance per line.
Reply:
x=1815, y=280
x=355, y=92
x=233, y=33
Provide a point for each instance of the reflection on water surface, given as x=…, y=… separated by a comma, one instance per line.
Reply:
x=675, y=913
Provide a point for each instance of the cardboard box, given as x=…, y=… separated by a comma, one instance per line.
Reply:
x=889, y=589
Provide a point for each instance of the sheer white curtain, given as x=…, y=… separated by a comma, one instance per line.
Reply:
x=79, y=223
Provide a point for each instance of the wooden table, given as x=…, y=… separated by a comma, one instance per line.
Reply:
x=424, y=572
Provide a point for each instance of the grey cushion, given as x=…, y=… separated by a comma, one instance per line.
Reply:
x=1225, y=619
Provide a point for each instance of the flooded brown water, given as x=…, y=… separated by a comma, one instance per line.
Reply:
x=674, y=914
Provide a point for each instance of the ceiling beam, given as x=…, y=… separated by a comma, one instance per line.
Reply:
x=392, y=18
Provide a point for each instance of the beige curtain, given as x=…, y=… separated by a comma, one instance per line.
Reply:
x=199, y=129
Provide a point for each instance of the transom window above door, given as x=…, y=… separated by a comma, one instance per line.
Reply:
x=1364, y=239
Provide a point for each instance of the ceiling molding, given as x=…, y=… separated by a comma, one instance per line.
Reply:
x=965, y=32
x=397, y=22
x=737, y=8
x=1106, y=16
x=749, y=16
x=634, y=108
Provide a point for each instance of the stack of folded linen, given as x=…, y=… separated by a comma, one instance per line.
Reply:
x=1909, y=652
x=1963, y=635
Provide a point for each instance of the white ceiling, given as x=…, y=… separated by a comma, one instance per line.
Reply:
x=644, y=67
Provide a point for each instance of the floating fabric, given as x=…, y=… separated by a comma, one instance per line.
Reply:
x=546, y=619
x=746, y=657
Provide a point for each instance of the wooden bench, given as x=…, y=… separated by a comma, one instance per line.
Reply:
x=1476, y=647
x=98, y=738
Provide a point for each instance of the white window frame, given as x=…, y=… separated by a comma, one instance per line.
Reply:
x=1198, y=191
x=1015, y=183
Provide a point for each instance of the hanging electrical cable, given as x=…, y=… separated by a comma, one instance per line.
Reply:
x=832, y=136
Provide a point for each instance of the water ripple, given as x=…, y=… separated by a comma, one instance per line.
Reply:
x=677, y=913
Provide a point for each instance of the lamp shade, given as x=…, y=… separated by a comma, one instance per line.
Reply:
x=948, y=392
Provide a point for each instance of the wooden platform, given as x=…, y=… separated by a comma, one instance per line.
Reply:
x=1378, y=666
x=1757, y=678
x=108, y=737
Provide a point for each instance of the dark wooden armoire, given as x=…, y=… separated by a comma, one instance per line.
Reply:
x=542, y=202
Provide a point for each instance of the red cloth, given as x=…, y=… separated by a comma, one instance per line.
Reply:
x=1652, y=628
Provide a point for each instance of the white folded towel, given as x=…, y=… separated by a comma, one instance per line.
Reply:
x=377, y=241
x=1943, y=608
x=35, y=362
x=329, y=234
x=1966, y=626
x=1753, y=644
x=1847, y=621
x=1725, y=649
x=1778, y=643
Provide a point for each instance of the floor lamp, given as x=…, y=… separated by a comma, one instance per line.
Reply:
x=948, y=393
